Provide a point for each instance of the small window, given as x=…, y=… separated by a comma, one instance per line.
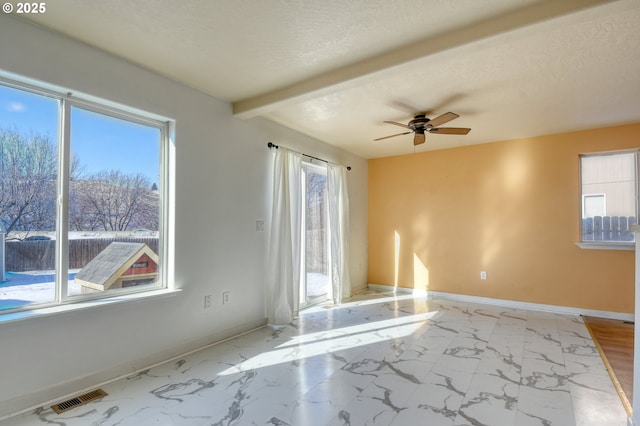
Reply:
x=609, y=204
x=82, y=199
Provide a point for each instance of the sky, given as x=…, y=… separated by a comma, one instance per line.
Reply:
x=99, y=142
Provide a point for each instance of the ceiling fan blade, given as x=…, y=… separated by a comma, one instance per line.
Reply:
x=449, y=130
x=418, y=139
x=403, y=106
x=399, y=124
x=392, y=136
x=444, y=118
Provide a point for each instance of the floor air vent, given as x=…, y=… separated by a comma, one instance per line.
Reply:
x=78, y=401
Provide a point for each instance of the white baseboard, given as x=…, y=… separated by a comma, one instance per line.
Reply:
x=391, y=289
x=506, y=303
x=63, y=391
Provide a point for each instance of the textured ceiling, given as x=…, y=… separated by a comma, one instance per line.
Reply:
x=336, y=69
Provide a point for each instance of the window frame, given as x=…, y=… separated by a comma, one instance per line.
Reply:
x=66, y=101
x=607, y=244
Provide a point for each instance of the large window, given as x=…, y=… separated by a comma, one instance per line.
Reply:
x=83, y=199
x=609, y=201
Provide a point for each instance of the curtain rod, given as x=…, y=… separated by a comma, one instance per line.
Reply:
x=273, y=145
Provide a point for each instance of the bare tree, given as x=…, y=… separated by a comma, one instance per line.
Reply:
x=316, y=222
x=316, y=193
x=28, y=170
x=107, y=200
x=113, y=201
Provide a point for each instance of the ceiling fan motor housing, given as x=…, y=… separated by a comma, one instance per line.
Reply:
x=419, y=122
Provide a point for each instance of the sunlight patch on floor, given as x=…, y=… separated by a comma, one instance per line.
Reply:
x=324, y=342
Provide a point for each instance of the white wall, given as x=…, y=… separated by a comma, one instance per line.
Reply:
x=223, y=185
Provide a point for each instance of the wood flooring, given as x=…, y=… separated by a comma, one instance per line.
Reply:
x=614, y=339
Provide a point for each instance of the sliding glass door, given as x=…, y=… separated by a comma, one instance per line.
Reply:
x=314, y=282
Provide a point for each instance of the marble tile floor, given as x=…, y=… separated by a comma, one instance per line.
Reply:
x=381, y=359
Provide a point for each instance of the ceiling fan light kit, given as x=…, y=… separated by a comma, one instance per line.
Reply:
x=421, y=124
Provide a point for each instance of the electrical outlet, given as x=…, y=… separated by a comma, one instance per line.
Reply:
x=207, y=301
x=226, y=297
x=260, y=225
x=483, y=275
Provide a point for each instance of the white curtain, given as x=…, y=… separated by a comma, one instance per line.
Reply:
x=338, y=199
x=283, y=285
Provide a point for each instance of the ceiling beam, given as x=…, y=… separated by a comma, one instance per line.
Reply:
x=344, y=76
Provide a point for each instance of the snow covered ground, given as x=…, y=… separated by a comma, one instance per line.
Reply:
x=317, y=284
x=22, y=288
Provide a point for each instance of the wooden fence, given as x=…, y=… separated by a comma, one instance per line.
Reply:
x=38, y=255
x=608, y=228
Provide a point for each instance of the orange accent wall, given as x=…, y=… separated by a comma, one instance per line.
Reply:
x=512, y=208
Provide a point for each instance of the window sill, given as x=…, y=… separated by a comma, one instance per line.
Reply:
x=603, y=245
x=89, y=304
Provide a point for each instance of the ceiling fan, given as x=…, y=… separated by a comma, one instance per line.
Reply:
x=421, y=124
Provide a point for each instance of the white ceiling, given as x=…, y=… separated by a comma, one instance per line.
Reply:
x=336, y=69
